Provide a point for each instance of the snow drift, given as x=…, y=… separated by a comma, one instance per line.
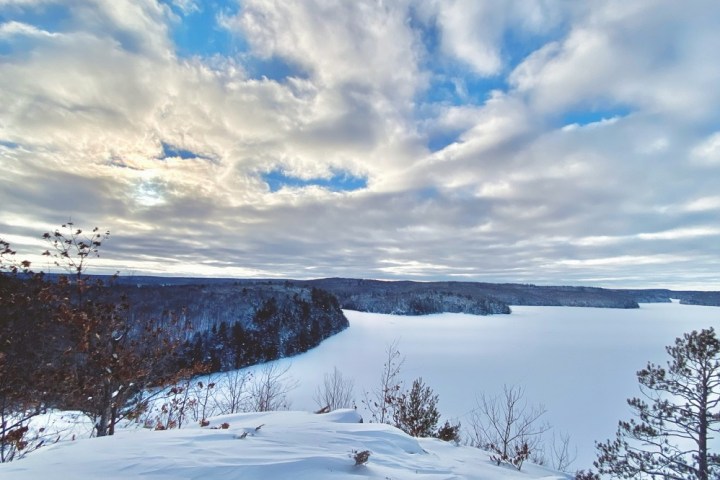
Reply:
x=263, y=446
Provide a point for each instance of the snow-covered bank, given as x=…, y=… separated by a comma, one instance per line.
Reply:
x=297, y=445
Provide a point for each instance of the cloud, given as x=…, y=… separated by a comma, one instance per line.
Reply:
x=703, y=204
x=363, y=44
x=13, y=29
x=708, y=151
x=681, y=233
x=544, y=142
x=618, y=54
x=474, y=31
x=187, y=7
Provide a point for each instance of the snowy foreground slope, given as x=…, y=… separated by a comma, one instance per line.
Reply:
x=297, y=445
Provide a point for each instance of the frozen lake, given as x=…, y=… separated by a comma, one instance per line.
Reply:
x=579, y=362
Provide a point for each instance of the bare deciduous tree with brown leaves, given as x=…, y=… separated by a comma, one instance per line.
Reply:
x=109, y=357
x=77, y=348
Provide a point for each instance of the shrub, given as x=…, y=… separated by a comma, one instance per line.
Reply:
x=360, y=457
x=449, y=432
x=589, y=475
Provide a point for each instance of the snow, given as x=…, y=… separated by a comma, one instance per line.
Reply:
x=579, y=362
x=298, y=445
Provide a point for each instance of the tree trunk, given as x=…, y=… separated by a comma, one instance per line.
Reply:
x=702, y=433
x=106, y=416
x=101, y=426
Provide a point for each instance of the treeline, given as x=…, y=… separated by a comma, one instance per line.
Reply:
x=468, y=297
x=284, y=324
x=420, y=298
x=422, y=303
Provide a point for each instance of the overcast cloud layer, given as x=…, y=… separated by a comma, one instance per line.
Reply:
x=551, y=142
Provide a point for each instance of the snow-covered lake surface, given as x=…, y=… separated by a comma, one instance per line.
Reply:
x=578, y=362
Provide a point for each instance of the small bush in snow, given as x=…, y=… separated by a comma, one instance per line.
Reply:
x=515, y=458
x=449, y=432
x=589, y=475
x=361, y=458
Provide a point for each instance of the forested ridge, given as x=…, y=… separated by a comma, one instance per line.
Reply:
x=232, y=326
x=478, y=298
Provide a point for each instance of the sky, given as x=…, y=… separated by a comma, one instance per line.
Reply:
x=546, y=142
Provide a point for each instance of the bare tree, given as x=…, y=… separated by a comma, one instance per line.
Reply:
x=175, y=405
x=562, y=453
x=507, y=426
x=234, y=394
x=269, y=388
x=380, y=401
x=336, y=391
x=205, y=393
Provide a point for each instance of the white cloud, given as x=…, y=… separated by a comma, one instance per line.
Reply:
x=679, y=233
x=619, y=55
x=514, y=196
x=366, y=45
x=13, y=28
x=703, y=204
x=707, y=152
x=623, y=260
x=187, y=7
x=600, y=123
x=472, y=30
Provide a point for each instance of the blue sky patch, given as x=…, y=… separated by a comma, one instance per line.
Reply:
x=461, y=88
x=517, y=45
x=427, y=193
x=586, y=117
x=172, y=151
x=452, y=81
x=273, y=68
x=9, y=144
x=341, y=181
x=50, y=17
x=439, y=141
x=199, y=34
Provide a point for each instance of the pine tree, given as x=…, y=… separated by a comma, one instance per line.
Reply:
x=669, y=439
x=416, y=411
